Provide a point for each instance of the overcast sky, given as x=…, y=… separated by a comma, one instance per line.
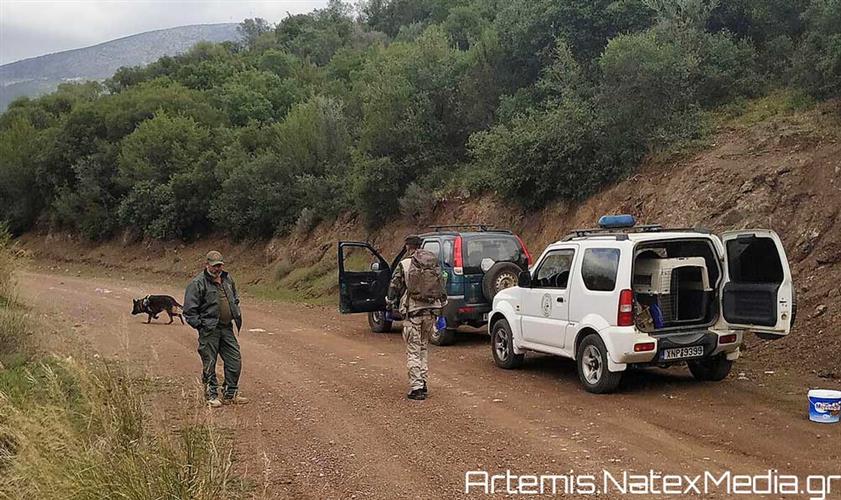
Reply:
x=30, y=28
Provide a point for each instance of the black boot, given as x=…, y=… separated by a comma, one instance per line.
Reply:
x=424, y=390
x=417, y=394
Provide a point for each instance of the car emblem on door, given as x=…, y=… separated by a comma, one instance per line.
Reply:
x=546, y=305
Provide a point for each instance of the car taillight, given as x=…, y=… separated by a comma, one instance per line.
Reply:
x=626, y=308
x=646, y=347
x=525, y=251
x=458, y=258
x=727, y=339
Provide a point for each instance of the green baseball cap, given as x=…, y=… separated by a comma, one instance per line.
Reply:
x=214, y=258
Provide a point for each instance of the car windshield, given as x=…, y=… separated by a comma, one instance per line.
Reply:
x=498, y=248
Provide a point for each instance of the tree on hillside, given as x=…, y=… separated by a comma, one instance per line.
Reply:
x=18, y=187
x=252, y=29
x=389, y=16
x=818, y=59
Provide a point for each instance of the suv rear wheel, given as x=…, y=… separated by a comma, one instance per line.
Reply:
x=502, y=346
x=591, y=360
x=710, y=369
x=446, y=336
x=378, y=323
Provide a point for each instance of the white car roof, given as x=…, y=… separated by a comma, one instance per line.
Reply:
x=640, y=237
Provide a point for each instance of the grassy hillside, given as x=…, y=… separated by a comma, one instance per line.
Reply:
x=40, y=75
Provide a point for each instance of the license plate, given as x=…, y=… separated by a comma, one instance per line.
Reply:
x=485, y=317
x=695, y=351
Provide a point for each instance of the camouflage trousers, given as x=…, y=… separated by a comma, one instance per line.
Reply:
x=416, y=332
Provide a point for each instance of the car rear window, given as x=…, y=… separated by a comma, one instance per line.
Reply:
x=448, y=252
x=754, y=260
x=499, y=248
x=433, y=246
x=599, y=268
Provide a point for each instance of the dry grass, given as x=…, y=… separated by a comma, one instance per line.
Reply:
x=8, y=263
x=777, y=105
x=68, y=430
x=14, y=323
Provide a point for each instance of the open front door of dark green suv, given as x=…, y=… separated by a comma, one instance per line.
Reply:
x=363, y=278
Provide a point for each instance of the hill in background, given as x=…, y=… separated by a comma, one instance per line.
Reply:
x=40, y=75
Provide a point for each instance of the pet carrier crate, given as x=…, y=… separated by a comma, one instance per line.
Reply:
x=679, y=286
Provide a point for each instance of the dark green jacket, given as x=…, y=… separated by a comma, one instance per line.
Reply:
x=201, y=304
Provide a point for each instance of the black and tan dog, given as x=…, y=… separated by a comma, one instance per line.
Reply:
x=155, y=304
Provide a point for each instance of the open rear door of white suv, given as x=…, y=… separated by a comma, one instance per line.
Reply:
x=758, y=291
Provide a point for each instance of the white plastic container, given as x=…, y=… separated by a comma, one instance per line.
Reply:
x=824, y=406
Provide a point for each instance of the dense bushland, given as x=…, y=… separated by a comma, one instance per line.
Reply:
x=381, y=107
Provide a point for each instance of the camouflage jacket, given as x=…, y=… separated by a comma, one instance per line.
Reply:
x=398, y=295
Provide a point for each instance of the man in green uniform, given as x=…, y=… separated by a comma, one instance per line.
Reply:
x=211, y=306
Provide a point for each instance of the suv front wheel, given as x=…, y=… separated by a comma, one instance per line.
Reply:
x=378, y=323
x=593, y=373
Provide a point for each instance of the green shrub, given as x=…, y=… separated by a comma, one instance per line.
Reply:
x=161, y=147
x=377, y=183
x=817, y=65
x=417, y=203
x=648, y=89
x=726, y=69
x=148, y=206
x=258, y=199
x=18, y=184
x=544, y=155
x=89, y=207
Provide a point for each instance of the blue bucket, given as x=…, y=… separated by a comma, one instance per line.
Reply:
x=824, y=406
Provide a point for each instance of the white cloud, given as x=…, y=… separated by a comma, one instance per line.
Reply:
x=31, y=28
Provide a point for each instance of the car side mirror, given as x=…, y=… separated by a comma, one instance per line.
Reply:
x=375, y=266
x=524, y=279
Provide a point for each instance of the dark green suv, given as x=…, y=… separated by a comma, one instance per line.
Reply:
x=479, y=262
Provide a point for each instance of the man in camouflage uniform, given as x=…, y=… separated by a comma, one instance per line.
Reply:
x=418, y=321
x=211, y=305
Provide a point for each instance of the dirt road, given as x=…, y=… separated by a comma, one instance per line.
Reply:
x=328, y=417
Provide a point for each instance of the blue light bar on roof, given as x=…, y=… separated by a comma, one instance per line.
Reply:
x=617, y=221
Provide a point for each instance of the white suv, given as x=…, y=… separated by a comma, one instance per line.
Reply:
x=627, y=295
